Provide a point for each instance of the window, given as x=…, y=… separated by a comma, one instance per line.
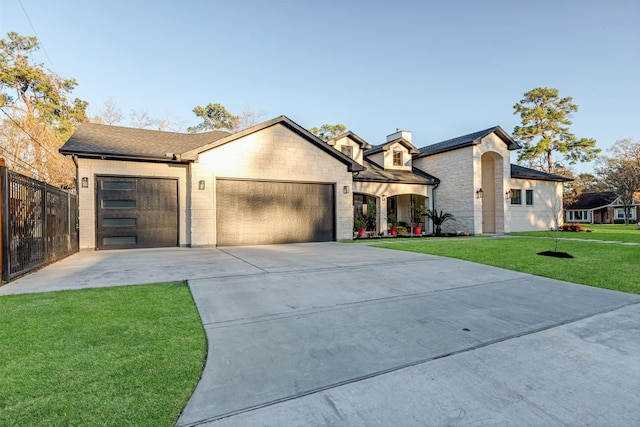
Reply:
x=516, y=197
x=620, y=213
x=578, y=215
x=118, y=185
x=119, y=222
x=397, y=158
x=529, y=197
x=347, y=150
x=118, y=203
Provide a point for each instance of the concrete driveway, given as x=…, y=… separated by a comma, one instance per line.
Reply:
x=336, y=334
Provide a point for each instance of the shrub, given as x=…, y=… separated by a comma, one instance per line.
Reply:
x=573, y=227
x=402, y=231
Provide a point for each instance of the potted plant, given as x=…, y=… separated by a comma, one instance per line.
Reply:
x=439, y=218
x=361, y=225
x=392, y=219
x=418, y=214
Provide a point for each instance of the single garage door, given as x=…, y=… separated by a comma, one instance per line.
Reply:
x=136, y=212
x=267, y=212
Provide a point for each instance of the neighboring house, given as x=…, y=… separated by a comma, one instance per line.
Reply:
x=600, y=208
x=277, y=183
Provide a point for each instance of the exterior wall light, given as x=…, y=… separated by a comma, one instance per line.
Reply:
x=507, y=195
x=479, y=193
x=201, y=184
x=345, y=189
x=85, y=182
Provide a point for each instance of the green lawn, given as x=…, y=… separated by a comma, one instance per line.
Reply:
x=609, y=266
x=113, y=356
x=609, y=232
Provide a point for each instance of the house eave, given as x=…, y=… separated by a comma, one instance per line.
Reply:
x=175, y=159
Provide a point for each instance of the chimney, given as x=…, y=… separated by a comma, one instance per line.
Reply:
x=399, y=134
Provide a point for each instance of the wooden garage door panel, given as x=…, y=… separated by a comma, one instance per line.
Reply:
x=267, y=212
x=136, y=212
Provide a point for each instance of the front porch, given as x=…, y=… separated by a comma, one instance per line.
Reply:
x=382, y=215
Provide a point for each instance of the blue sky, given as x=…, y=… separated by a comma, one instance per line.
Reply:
x=440, y=69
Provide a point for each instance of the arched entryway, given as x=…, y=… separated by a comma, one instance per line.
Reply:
x=492, y=202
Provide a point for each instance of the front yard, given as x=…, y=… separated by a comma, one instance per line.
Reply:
x=609, y=266
x=112, y=356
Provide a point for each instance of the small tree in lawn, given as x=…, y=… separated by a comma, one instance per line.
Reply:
x=439, y=218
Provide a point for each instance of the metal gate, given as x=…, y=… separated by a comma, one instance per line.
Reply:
x=267, y=212
x=136, y=212
x=39, y=224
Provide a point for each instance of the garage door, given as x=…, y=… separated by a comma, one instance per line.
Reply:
x=135, y=212
x=266, y=212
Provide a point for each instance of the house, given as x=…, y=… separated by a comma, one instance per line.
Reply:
x=278, y=183
x=601, y=208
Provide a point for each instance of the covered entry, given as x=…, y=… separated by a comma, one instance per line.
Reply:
x=250, y=212
x=136, y=212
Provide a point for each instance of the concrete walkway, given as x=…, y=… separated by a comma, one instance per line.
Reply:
x=338, y=334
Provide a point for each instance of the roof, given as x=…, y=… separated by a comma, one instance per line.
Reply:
x=467, y=141
x=375, y=173
x=104, y=141
x=592, y=200
x=96, y=140
x=521, y=172
x=601, y=199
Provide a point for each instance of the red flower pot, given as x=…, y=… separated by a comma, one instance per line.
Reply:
x=417, y=230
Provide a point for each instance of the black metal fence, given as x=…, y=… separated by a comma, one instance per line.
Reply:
x=39, y=224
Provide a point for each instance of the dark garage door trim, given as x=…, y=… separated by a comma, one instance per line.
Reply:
x=136, y=211
x=265, y=211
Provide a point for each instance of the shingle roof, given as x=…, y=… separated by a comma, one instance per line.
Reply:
x=375, y=173
x=96, y=140
x=466, y=141
x=518, y=171
x=592, y=200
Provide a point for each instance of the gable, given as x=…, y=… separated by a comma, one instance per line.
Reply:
x=352, y=166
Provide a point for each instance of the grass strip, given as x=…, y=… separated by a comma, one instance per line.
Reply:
x=607, y=232
x=607, y=266
x=99, y=357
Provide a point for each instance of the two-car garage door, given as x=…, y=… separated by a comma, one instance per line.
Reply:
x=252, y=212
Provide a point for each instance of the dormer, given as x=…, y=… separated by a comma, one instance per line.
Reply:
x=396, y=153
x=351, y=145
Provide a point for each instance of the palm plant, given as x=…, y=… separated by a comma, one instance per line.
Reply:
x=439, y=218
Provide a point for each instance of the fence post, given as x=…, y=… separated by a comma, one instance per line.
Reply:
x=6, y=212
x=45, y=223
x=2, y=166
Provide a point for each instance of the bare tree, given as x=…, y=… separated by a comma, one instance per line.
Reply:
x=620, y=171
